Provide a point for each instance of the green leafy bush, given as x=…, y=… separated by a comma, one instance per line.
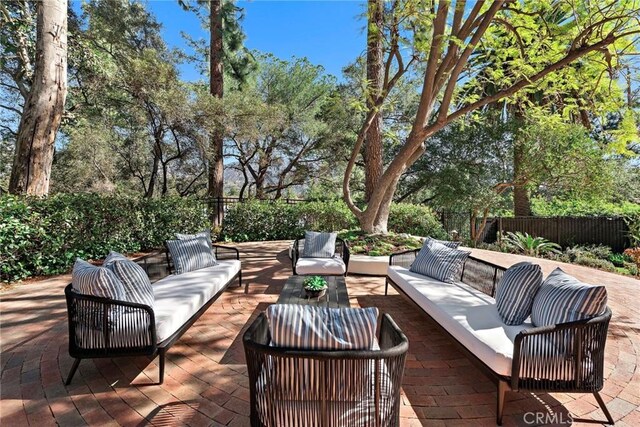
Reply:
x=577, y=207
x=529, y=245
x=379, y=244
x=594, y=263
x=274, y=220
x=633, y=224
x=600, y=252
x=415, y=219
x=257, y=220
x=43, y=236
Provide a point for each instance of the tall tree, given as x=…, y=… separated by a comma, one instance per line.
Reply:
x=373, y=150
x=444, y=38
x=216, y=88
x=44, y=105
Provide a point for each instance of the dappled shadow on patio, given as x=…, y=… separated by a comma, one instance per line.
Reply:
x=206, y=378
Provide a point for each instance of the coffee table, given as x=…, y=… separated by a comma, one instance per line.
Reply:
x=336, y=295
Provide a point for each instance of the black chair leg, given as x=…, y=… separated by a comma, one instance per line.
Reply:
x=603, y=407
x=386, y=286
x=502, y=391
x=161, y=355
x=74, y=368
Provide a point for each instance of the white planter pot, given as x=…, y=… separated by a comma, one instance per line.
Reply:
x=368, y=265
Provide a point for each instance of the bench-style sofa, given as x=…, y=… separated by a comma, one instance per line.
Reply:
x=566, y=357
x=102, y=327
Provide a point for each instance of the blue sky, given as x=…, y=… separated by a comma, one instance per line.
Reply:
x=329, y=33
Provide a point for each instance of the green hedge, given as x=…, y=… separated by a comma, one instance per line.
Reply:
x=259, y=220
x=415, y=219
x=43, y=236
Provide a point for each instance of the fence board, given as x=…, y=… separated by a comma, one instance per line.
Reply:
x=568, y=231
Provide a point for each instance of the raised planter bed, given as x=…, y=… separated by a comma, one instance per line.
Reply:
x=368, y=265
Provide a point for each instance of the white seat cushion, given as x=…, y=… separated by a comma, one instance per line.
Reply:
x=469, y=315
x=178, y=297
x=321, y=266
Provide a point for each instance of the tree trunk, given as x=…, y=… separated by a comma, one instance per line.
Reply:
x=521, y=203
x=373, y=141
x=44, y=106
x=216, y=87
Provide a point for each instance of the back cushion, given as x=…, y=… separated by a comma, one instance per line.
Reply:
x=205, y=233
x=439, y=261
x=447, y=243
x=563, y=298
x=516, y=290
x=88, y=279
x=190, y=255
x=137, y=287
x=322, y=328
x=319, y=245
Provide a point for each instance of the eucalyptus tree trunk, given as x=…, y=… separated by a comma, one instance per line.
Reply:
x=44, y=105
x=216, y=88
x=373, y=140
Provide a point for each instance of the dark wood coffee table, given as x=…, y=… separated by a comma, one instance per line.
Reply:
x=336, y=295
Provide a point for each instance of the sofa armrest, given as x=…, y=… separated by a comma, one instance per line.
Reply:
x=403, y=259
x=106, y=327
x=346, y=253
x=295, y=254
x=565, y=357
x=226, y=252
x=391, y=336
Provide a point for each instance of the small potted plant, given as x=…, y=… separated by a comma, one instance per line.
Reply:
x=315, y=286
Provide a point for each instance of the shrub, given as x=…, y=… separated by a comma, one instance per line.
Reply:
x=588, y=251
x=634, y=255
x=43, y=236
x=633, y=224
x=274, y=220
x=594, y=263
x=257, y=220
x=529, y=245
x=379, y=244
x=415, y=219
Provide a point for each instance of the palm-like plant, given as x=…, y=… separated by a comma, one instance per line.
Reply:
x=529, y=245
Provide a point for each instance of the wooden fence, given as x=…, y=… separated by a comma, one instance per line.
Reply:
x=567, y=231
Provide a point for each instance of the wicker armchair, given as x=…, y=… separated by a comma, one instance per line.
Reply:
x=567, y=357
x=342, y=252
x=325, y=388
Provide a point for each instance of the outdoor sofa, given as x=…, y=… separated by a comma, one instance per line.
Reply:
x=567, y=357
x=105, y=328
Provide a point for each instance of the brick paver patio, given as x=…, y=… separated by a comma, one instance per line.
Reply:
x=206, y=382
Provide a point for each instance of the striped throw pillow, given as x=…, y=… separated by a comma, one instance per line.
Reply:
x=190, y=255
x=563, y=298
x=319, y=245
x=137, y=287
x=205, y=233
x=447, y=243
x=322, y=328
x=439, y=261
x=89, y=279
x=516, y=290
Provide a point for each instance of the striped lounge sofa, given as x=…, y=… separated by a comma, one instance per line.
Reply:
x=567, y=357
x=106, y=328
